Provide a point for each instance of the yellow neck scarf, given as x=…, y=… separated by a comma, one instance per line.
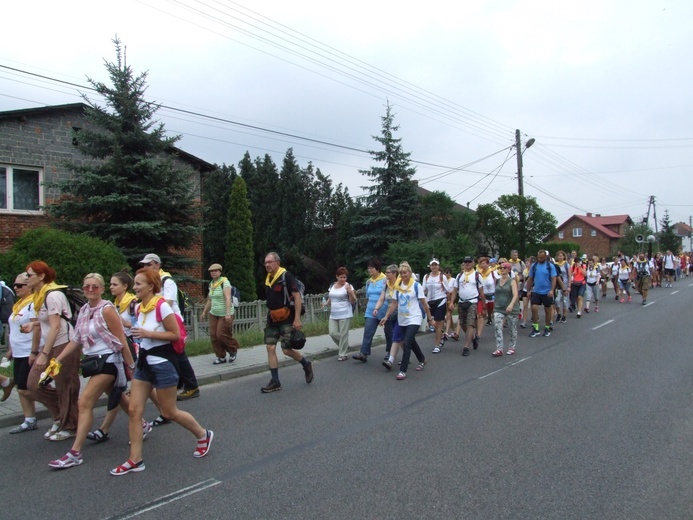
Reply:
x=40, y=296
x=398, y=281
x=269, y=281
x=485, y=272
x=514, y=261
x=20, y=304
x=214, y=285
x=149, y=307
x=407, y=287
x=467, y=274
x=375, y=279
x=124, y=301
x=560, y=264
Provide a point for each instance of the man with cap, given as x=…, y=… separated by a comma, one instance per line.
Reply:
x=467, y=290
x=169, y=290
x=436, y=288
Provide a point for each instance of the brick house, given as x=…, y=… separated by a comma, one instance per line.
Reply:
x=596, y=234
x=34, y=144
x=684, y=232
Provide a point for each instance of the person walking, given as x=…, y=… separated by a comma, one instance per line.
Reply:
x=592, y=277
x=169, y=290
x=341, y=298
x=19, y=350
x=507, y=308
x=577, y=285
x=284, y=303
x=53, y=314
x=541, y=286
x=157, y=367
x=436, y=288
x=374, y=288
x=624, y=277
x=468, y=291
x=221, y=312
x=410, y=300
x=642, y=272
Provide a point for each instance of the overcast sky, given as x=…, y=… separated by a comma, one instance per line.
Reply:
x=603, y=86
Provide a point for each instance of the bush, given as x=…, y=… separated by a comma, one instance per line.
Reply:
x=71, y=255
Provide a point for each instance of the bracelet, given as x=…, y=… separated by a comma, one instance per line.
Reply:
x=35, y=353
x=132, y=367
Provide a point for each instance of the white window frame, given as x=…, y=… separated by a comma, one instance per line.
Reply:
x=9, y=191
x=561, y=235
x=593, y=232
x=577, y=232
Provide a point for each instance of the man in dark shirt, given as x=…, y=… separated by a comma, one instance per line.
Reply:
x=282, y=319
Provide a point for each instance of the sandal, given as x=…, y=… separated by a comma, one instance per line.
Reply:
x=67, y=461
x=26, y=426
x=203, y=445
x=98, y=435
x=498, y=353
x=342, y=358
x=160, y=420
x=62, y=435
x=510, y=351
x=128, y=467
x=420, y=366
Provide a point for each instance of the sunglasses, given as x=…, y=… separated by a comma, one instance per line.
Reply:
x=20, y=285
x=93, y=287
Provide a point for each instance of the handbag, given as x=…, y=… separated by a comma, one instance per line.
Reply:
x=280, y=314
x=92, y=365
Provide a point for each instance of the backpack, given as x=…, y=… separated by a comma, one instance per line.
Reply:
x=179, y=345
x=75, y=299
x=235, y=297
x=183, y=298
x=289, y=299
x=559, y=278
x=6, y=303
x=477, y=277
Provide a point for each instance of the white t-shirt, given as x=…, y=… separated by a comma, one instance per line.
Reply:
x=99, y=347
x=55, y=303
x=340, y=306
x=592, y=275
x=489, y=282
x=20, y=342
x=148, y=322
x=169, y=290
x=408, y=310
x=466, y=285
x=436, y=287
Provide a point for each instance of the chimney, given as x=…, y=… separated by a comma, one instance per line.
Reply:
x=597, y=215
x=589, y=214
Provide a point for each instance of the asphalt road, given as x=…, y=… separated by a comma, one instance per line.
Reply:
x=594, y=422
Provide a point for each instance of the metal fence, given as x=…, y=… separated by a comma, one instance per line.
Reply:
x=253, y=315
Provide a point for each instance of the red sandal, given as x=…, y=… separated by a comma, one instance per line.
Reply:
x=128, y=467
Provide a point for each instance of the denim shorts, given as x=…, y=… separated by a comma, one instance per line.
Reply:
x=166, y=375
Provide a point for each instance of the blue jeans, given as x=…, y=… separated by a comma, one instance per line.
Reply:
x=368, y=333
x=389, y=327
x=410, y=345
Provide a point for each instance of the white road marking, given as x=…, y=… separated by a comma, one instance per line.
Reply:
x=494, y=372
x=605, y=323
x=674, y=292
x=171, y=497
x=522, y=360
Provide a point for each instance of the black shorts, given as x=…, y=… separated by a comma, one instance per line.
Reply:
x=438, y=309
x=669, y=272
x=541, y=299
x=20, y=372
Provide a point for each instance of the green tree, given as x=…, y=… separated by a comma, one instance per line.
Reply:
x=499, y=224
x=668, y=241
x=216, y=190
x=391, y=211
x=134, y=195
x=441, y=216
x=628, y=243
x=71, y=255
x=239, y=256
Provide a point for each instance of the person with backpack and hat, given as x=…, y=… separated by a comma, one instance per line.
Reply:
x=53, y=315
x=169, y=290
x=468, y=291
x=436, y=288
x=221, y=312
x=284, y=302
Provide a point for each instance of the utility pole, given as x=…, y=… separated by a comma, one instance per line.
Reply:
x=518, y=148
x=521, y=190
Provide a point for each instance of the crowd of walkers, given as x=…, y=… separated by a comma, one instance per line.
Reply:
x=132, y=339
x=138, y=338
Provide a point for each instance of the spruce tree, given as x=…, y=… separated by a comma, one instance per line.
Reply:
x=134, y=196
x=391, y=210
x=668, y=241
x=239, y=258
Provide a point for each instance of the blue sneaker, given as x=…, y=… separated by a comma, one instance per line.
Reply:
x=534, y=333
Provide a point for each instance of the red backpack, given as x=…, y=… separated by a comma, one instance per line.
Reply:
x=179, y=345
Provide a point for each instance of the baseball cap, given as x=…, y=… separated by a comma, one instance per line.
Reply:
x=151, y=257
x=433, y=261
x=468, y=259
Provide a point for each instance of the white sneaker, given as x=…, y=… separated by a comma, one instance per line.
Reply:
x=436, y=350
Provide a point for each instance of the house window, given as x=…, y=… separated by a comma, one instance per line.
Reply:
x=20, y=189
x=560, y=235
x=577, y=232
x=593, y=233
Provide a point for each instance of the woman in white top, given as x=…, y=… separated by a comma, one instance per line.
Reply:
x=340, y=300
x=157, y=367
x=52, y=314
x=436, y=288
x=488, y=282
x=592, y=289
x=409, y=296
x=19, y=349
x=624, y=274
x=100, y=335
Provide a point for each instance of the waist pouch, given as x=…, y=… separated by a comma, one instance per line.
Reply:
x=92, y=365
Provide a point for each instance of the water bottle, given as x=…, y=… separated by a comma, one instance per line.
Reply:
x=324, y=304
x=45, y=379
